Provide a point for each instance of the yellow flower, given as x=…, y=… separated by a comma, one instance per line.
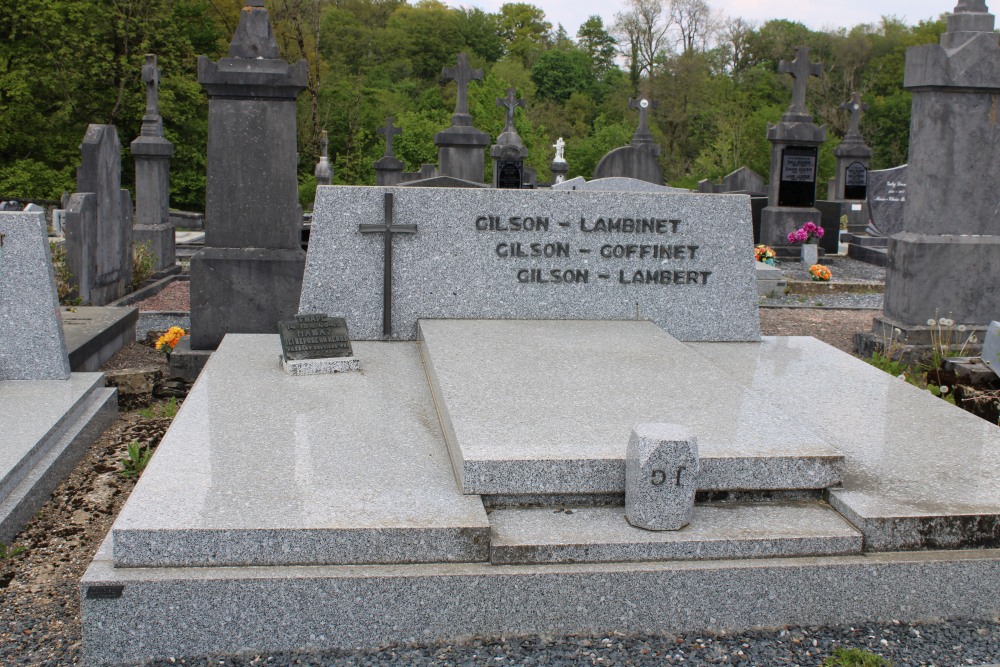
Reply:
x=170, y=339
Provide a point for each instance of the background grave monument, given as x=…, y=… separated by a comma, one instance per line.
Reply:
x=462, y=147
x=249, y=274
x=559, y=167
x=639, y=159
x=99, y=221
x=323, y=171
x=152, y=152
x=795, y=142
x=509, y=152
x=389, y=169
x=853, y=155
x=948, y=246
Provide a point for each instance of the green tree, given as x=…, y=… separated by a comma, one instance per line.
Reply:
x=561, y=72
x=598, y=44
x=524, y=30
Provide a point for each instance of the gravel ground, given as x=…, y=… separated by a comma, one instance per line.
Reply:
x=40, y=611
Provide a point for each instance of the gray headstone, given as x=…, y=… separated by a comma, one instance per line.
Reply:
x=631, y=162
x=744, y=179
x=81, y=243
x=887, y=199
x=661, y=476
x=991, y=347
x=676, y=259
x=111, y=254
x=614, y=184
x=32, y=346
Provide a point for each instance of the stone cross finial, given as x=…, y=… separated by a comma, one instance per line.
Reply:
x=971, y=6
x=560, y=146
x=643, y=105
x=510, y=103
x=151, y=75
x=462, y=74
x=856, y=107
x=800, y=69
x=389, y=132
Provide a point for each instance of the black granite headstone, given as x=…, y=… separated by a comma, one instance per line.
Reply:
x=314, y=336
x=798, y=176
x=511, y=175
x=886, y=198
x=856, y=181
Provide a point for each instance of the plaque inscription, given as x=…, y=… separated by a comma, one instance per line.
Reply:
x=314, y=336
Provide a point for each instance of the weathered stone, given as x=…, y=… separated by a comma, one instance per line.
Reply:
x=661, y=475
x=887, y=198
x=639, y=158
x=461, y=147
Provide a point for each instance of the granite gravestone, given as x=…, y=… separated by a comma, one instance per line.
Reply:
x=32, y=346
x=887, y=199
x=661, y=475
x=509, y=152
x=674, y=259
x=851, y=181
x=99, y=232
x=640, y=158
x=991, y=347
x=151, y=152
x=249, y=274
x=614, y=184
x=388, y=169
x=462, y=147
x=795, y=142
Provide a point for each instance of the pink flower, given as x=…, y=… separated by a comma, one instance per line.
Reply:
x=791, y=237
x=819, y=232
x=801, y=236
x=809, y=227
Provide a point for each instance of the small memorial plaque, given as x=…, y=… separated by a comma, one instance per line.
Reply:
x=510, y=175
x=798, y=177
x=856, y=181
x=314, y=336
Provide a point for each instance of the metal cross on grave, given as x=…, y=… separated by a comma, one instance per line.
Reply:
x=855, y=106
x=462, y=74
x=800, y=69
x=643, y=106
x=388, y=132
x=510, y=103
x=388, y=229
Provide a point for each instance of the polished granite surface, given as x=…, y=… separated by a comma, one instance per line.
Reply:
x=548, y=407
x=912, y=461
x=267, y=468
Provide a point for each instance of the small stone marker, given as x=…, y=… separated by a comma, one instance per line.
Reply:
x=661, y=474
x=313, y=344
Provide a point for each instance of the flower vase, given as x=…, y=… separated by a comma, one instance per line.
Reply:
x=810, y=254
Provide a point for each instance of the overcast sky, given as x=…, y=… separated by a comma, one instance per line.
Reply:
x=816, y=14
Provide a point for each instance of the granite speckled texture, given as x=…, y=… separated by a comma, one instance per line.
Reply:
x=32, y=346
x=918, y=473
x=319, y=366
x=661, y=475
x=47, y=425
x=601, y=534
x=614, y=184
x=705, y=290
x=169, y=612
x=547, y=406
x=264, y=468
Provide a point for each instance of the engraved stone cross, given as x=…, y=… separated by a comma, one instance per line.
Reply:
x=388, y=229
x=643, y=106
x=856, y=107
x=510, y=103
x=462, y=74
x=151, y=75
x=800, y=69
x=388, y=132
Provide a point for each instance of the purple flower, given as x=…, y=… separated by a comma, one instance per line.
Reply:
x=801, y=236
x=819, y=232
x=809, y=227
x=791, y=237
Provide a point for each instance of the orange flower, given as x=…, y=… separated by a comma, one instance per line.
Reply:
x=168, y=341
x=820, y=273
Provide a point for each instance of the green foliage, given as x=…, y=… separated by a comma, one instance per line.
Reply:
x=136, y=461
x=560, y=73
x=162, y=410
x=10, y=553
x=855, y=657
x=143, y=263
x=885, y=362
x=65, y=287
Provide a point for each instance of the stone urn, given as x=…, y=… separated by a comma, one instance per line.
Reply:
x=810, y=253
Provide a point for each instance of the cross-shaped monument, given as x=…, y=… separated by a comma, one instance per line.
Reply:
x=510, y=103
x=388, y=229
x=151, y=75
x=643, y=105
x=461, y=74
x=389, y=131
x=855, y=106
x=800, y=69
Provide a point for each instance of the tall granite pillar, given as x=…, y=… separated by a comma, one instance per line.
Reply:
x=250, y=273
x=152, y=153
x=462, y=147
x=853, y=155
x=509, y=152
x=946, y=260
x=388, y=169
x=795, y=143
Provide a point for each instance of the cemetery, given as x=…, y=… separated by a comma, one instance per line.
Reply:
x=501, y=408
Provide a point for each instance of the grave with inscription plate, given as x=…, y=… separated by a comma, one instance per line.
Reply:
x=674, y=259
x=313, y=343
x=887, y=199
